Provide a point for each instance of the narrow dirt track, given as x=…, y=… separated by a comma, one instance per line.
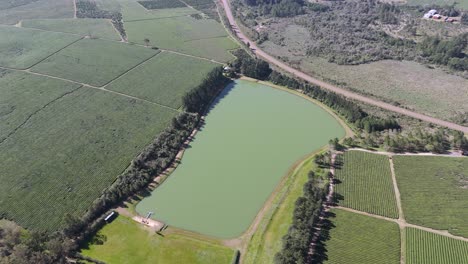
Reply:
x=335, y=89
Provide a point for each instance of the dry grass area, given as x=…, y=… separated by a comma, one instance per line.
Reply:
x=413, y=85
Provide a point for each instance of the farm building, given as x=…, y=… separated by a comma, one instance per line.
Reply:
x=430, y=13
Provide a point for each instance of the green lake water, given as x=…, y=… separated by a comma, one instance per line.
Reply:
x=252, y=135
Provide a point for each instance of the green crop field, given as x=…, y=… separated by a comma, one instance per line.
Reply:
x=21, y=48
x=12, y=11
x=22, y=95
x=61, y=159
x=128, y=242
x=356, y=238
x=94, y=61
x=95, y=28
x=434, y=191
x=164, y=79
x=200, y=37
x=366, y=183
x=429, y=248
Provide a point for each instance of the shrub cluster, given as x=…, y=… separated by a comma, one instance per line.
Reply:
x=198, y=99
x=307, y=209
x=87, y=9
x=160, y=4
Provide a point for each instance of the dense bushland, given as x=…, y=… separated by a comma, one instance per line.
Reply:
x=278, y=8
x=19, y=246
x=87, y=9
x=160, y=4
x=198, y=99
x=446, y=52
x=296, y=242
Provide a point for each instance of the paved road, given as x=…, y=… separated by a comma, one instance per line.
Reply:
x=331, y=87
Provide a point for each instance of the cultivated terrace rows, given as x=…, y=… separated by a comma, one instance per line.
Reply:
x=401, y=221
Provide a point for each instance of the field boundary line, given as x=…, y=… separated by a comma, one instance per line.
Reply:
x=119, y=41
x=129, y=70
x=215, y=37
x=81, y=37
x=420, y=154
x=401, y=216
x=192, y=56
x=403, y=223
x=74, y=9
x=154, y=18
x=89, y=86
x=37, y=111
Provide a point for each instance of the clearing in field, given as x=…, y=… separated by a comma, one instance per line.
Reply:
x=94, y=28
x=365, y=183
x=164, y=79
x=355, y=238
x=94, y=61
x=22, y=95
x=434, y=191
x=12, y=11
x=21, y=47
x=185, y=34
x=429, y=248
x=133, y=11
x=126, y=241
x=62, y=158
x=252, y=135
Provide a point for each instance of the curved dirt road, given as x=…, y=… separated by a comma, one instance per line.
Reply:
x=349, y=94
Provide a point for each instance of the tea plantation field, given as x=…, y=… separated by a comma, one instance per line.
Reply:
x=94, y=61
x=22, y=48
x=164, y=79
x=95, y=28
x=23, y=95
x=365, y=183
x=434, y=191
x=355, y=238
x=61, y=159
x=77, y=104
x=430, y=248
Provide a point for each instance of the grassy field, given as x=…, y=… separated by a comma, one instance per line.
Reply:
x=430, y=248
x=128, y=242
x=459, y=3
x=11, y=12
x=267, y=239
x=366, y=183
x=355, y=238
x=159, y=79
x=22, y=95
x=94, y=61
x=434, y=191
x=61, y=159
x=405, y=82
x=96, y=28
x=21, y=48
x=243, y=171
x=200, y=37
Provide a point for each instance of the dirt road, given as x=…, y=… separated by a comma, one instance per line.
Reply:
x=346, y=93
